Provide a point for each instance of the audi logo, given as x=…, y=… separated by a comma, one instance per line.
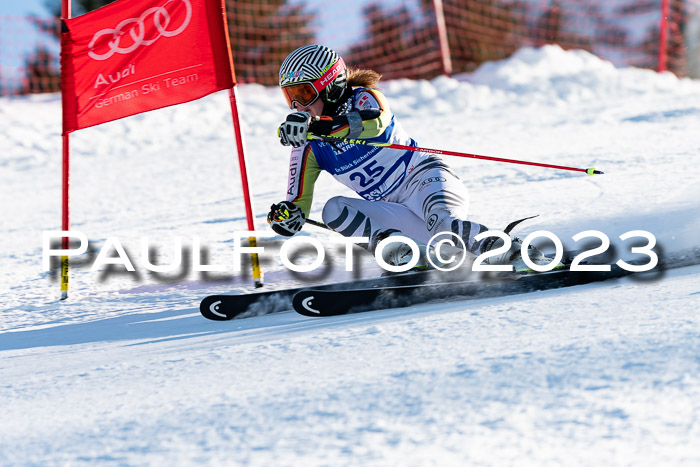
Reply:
x=136, y=28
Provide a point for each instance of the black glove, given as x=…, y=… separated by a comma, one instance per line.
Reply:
x=286, y=218
x=324, y=125
x=293, y=131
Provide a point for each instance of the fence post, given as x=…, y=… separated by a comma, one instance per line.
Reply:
x=663, y=36
x=442, y=38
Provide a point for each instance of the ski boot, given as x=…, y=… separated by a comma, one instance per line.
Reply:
x=399, y=253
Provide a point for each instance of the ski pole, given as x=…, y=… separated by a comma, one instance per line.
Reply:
x=331, y=139
x=317, y=224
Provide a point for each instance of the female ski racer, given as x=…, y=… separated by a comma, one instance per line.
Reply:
x=408, y=193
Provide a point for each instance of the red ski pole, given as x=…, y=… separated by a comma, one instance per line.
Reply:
x=331, y=139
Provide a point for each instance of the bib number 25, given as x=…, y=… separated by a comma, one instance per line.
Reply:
x=368, y=174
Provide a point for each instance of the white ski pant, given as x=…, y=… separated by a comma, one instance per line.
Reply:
x=431, y=200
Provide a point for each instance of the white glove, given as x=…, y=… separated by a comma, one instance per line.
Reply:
x=294, y=130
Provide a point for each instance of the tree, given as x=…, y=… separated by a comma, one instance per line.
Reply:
x=482, y=30
x=42, y=73
x=398, y=42
x=676, y=51
x=79, y=7
x=569, y=29
x=263, y=33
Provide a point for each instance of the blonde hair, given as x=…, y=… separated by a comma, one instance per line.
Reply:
x=358, y=78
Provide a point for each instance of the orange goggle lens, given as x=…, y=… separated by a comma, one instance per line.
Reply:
x=303, y=94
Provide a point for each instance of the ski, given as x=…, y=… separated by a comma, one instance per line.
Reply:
x=413, y=288
x=226, y=307
x=315, y=303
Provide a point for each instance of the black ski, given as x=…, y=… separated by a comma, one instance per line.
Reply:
x=226, y=307
x=311, y=302
x=414, y=288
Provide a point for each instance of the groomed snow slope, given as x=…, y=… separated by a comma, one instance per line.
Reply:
x=127, y=372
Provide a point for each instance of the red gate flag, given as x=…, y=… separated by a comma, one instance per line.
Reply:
x=133, y=56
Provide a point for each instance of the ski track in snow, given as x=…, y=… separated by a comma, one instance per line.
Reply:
x=127, y=371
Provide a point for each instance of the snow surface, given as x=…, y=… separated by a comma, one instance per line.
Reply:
x=126, y=372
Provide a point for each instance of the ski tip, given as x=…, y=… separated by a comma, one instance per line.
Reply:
x=593, y=171
x=303, y=303
x=214, y=308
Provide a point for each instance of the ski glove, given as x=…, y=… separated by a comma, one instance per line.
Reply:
x=286, y=218
x=353, y=120
x=294, y=130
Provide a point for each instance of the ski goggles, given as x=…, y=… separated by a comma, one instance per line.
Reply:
x=306, y=93
x=303, y=94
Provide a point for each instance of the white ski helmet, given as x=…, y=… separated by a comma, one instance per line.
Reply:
x=311, y=72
